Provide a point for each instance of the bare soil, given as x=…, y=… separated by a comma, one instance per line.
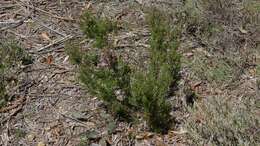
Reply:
x=51, y=107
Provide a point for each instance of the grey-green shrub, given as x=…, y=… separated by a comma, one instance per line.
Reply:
x=224, y=121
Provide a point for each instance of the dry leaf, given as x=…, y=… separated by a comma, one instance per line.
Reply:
x=45, y=36
x=49, y=59
x=252, y=72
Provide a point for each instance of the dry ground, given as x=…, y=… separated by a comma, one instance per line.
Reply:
x=52, y=108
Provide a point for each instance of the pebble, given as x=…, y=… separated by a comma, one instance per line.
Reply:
x=40, y=144
x=30, y=137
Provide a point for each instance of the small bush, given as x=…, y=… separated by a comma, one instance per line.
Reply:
x=104, y=74
x=96, y=28
x=123, y=89
x=11, y=56
x=150, y=88
x=104, y=82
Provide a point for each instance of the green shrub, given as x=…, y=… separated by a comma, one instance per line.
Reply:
x=123, y=89
x=96, y=28
x=103, y=73
x=103, y=82
x=151, y=87
x=75, y=53
x=11, y=56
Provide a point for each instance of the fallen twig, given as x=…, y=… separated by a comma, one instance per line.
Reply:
x=40, y=23
x=130, y=46
x=15, y=104
x=12, y=114
x=7, y=6
x=55, y=42
x=46, y=12
x=19, y=35
x=8, y=25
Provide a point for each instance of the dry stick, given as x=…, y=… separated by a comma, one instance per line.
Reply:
x=131, y=45
x=14, y=24
x=48, y=13
x=118, y=139
x=56, y=73
x=7, y=6
x=12, y=114
x=16, y=103
x=52, y=66
x=55, y=42
x=69, y=117
x=5, y=23
x=40, y=23
x=55, y=49
x=19, y=35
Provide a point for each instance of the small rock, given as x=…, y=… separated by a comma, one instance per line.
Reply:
x=40, y=144
x=94, y=144
x=242, y=30
x=30, y=137
x=120, y=95
x=190, y=54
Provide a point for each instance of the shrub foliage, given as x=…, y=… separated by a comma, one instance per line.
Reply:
x=11, y=56
x=96, y=28
x=151, y=87
x=124, y=89
x=104, y=74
